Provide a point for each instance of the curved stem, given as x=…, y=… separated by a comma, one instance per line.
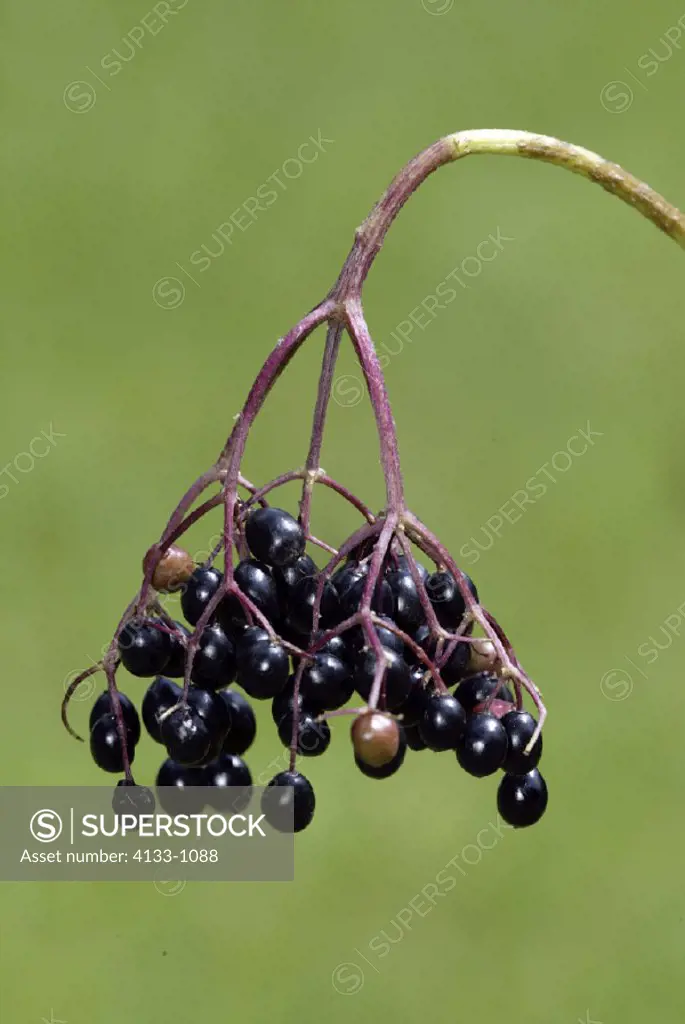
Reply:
x=498, y=142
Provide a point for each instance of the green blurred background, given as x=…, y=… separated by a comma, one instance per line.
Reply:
x=106, y=187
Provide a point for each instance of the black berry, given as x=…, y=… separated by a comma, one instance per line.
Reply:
x=175, y=666
x=522, y=799
x=288, y=802
x=105, y=745
x=242, y=726
x=103, y=706
x=228, y=772
x=198, y=592
x=214, y=661
x=179, y=787
x=443, y=722
x=446, y=598
x=408, y=612
x=274, y=536
x=263, y=664
x=397, y=682
x=143, y=648
x=483, y=746
x=131, y=799
x=327, y=682
x=160, y=696
x=519, y=727
x=313, y=737
x=185, y=735
x=301, y=606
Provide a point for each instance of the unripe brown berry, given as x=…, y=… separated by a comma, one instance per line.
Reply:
x=375, y=738
x=173, y=569
x=483, y=656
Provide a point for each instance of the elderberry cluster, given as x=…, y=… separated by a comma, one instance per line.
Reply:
x=451, y=698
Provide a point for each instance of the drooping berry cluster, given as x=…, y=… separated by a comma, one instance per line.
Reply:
x=430, y=664
x=310, y=669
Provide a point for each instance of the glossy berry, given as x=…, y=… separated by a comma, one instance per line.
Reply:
x=398, y=682
x=103, y=706
x=185, y=735
x=284, y=703
x=338, y=647
x=376, y=738
x=211, y=709
x=105, y=745
x=303, y=568
x=160, y=696
x=313, y=737
x=519, y=727
x=131, y=799
x=403, y=566
x=455, y=667
x=483, y=745
x=384, y=771
x=301, y=606
x=327, y=682
x=413, y=707
x=198, y=592
x=214, y=662
x=178, y=787
x=446, y=598
x=274, y=536
x=256, y=582
x=476, y=689
x=288, y=802
x=144, y=650
x=263, y=664
x=522, y=799
x=351, y=590
x=228, y=772
x=443, y=722
x=242, y=726
x=176, y=665
x=358, y=639
x=408, y=613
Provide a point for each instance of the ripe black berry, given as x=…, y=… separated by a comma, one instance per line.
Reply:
x=522, y=799
x=398, y=682
x=384, y=771
x=178, y=787
x=274, y=536
x=446, y=598
x=143, y=648
x=214, y=713
x=301, y=606
x=358, y=640
x=327, y=682
x=337, y=646
x=476, y=689
x=186, y=735
x=198, y=592
x=263, y=664
x=225, y=773
x=408, y=612
x=288, y=802
x=256, y=582
x=105, y=745
x=214, y=662
x=519, y=727
x=413, y=707
x=287, y=577
x=131, y=799
x=175, y=666
x=443, y=722
x=103, y=706
x=350, y=585
x=456, y=665
x=284, y=703
x=161, y=695
x=242, y=726
x=313, y=737
x=483, y=745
